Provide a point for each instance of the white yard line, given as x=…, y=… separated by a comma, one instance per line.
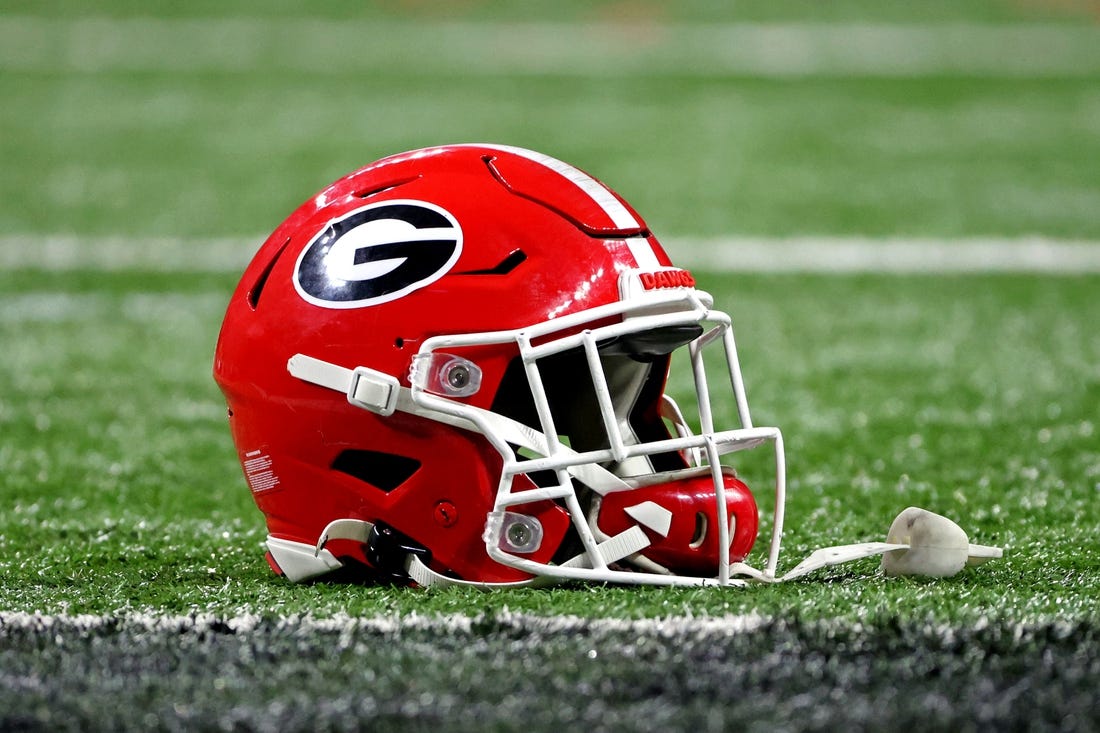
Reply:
x=108, y=254
x=890, y=255
x=449, y=623
x=669, y=627
x=594, y=49
x=726, y=254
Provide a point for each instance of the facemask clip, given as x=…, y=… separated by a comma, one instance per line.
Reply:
x=445, y=375
x=517, y=532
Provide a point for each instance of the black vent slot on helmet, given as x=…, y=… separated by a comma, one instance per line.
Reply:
x=514, y=259
x=386, y=186
x=258, y=287
x=384, y=471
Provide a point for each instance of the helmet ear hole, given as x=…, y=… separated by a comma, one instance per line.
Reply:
x=383, y=471
x=700, y=533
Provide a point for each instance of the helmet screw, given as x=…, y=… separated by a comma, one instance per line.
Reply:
x=519, y=534
x=445, y=513
x=458, y=376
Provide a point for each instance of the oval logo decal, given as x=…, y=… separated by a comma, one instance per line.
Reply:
x=377, y=254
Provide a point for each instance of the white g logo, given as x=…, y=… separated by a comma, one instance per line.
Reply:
x=377, y=254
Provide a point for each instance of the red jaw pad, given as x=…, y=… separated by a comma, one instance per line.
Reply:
x=691, y=546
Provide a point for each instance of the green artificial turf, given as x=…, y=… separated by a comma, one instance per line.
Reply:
x=133, y=590
x=971, y=395
x=112, y=132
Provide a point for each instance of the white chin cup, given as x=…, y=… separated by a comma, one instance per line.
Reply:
x=938, y=548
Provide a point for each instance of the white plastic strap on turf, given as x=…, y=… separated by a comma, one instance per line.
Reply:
x=919, y=542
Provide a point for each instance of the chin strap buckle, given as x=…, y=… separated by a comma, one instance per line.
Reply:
x=365, y=387
x=374, y=391
x=388, y=551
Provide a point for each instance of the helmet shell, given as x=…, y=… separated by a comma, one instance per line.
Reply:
x=519, y=239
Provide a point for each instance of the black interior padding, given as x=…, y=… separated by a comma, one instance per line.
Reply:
x=573, y=404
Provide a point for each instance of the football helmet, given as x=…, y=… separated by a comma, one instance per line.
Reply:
x=450, y=367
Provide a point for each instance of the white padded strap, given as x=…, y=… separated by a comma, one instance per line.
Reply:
x=425, y=577
x=611, y=550
x=381, y=393
x=344, y=529
x=651, y=515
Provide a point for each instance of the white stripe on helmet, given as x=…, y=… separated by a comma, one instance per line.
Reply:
x=620, y=216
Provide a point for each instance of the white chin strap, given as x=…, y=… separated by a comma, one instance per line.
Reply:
x=612, y=550
x=919, y=542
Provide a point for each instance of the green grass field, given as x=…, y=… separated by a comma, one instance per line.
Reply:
x=175, y=139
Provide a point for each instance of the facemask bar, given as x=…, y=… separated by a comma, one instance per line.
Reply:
x=508, y=535
x=639, y=314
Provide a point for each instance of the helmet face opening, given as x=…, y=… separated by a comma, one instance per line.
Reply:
x=634, y=388
x=586, y=429
x=408, y=376
x=672, y=481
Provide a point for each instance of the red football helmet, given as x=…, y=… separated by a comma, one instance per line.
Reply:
x=450, y=367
